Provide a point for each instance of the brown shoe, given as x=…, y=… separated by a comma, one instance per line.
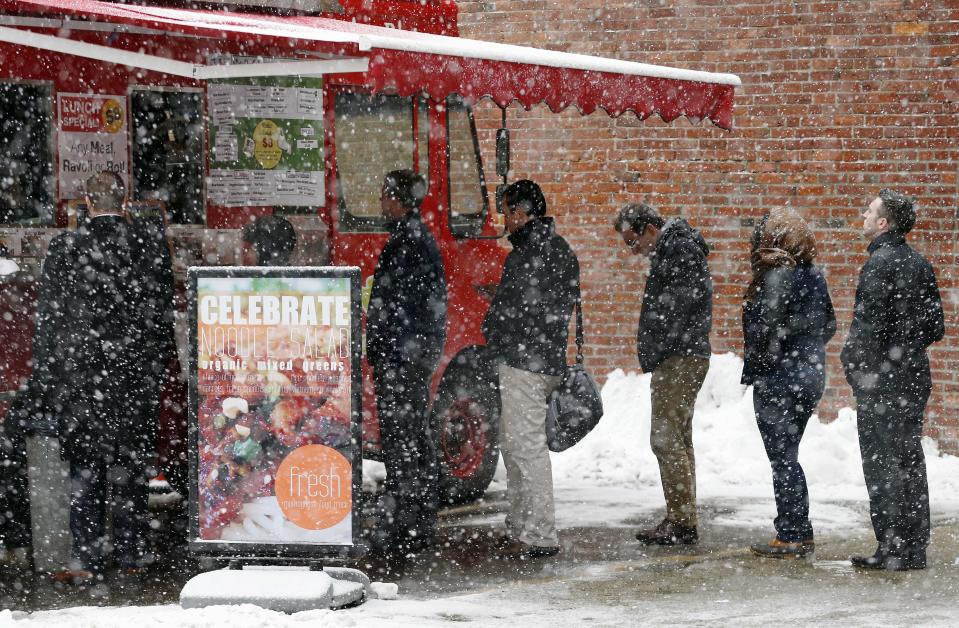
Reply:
x=517, y=550
x=73, y=576
x=784, y=549
x=668, y=533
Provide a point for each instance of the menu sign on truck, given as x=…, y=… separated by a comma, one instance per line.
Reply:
x=275, y=410
x=266, y=139
x=92, y=138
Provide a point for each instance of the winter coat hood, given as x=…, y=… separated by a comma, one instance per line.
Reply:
x=676, y=314
x=678, y=230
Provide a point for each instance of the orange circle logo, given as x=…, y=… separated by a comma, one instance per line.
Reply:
x=314, y=487
x=111, y=115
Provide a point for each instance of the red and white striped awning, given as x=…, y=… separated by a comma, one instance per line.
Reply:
x=404, y=62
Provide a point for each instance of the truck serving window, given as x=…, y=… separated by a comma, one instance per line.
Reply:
x=26, y=177
x=468, y=203
x=168, y=151
x=374, y=135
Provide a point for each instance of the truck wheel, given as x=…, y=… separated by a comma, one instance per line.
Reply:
x=466, y=428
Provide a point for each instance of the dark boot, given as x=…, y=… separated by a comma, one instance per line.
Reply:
x=668, y=533
x=880, y=561
x=916, y=559
x=517, y=550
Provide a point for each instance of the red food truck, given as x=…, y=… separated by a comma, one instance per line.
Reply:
x=174, y=100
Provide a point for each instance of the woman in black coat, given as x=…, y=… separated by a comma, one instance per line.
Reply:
x=787, y=320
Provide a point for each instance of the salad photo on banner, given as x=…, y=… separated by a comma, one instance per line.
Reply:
x=275, y=406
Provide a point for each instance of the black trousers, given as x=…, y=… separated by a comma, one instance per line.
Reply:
x=408, y=508
x=129, y=493
x=890, y=433
x=15, y=523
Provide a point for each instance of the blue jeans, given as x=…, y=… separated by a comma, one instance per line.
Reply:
x=783, y=404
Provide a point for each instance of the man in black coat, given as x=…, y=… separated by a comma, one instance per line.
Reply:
x=673, y=345
x=526, y=329
x=405, y=334
x=103, y=336
x=898, y=314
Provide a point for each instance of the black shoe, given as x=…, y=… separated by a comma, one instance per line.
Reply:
x=668, y=533
x=880, y=561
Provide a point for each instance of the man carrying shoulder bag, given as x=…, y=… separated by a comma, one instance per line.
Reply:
x=527, y=330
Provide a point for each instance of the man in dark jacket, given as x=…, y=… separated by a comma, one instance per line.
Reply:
x=526, y=329
x=103, y=336
x=673, y=345
x=405, y=333
x=898, y=314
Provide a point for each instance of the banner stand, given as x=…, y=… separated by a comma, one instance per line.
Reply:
x=275, y=436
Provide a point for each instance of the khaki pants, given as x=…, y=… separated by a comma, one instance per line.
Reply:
x=674, y=387
x=529, y=474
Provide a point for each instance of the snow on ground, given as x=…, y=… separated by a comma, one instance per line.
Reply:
x=611, y=479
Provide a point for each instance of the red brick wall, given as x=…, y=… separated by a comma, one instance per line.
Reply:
x=838, y=100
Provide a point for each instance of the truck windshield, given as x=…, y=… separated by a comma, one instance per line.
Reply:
x=374, y=134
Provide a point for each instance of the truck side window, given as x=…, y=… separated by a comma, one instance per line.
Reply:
x=374, y=135
x=26, y=162
x=468, y=203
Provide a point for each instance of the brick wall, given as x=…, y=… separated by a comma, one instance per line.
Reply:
x=838, y=100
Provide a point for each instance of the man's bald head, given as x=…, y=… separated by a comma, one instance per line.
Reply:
x=105, y=193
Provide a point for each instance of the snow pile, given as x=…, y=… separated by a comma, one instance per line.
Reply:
x=730, y=459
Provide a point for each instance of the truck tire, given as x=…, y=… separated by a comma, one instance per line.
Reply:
x=466, y=429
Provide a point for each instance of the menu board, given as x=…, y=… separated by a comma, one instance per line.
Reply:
x=266, y=140
x=275, y=409
x=92, y=137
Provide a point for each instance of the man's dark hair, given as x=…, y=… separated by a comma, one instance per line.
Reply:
x=106, y=191
x=898, y=209
x=636, y=216
x=273, y=238
x=527, y=196
x=405, y=186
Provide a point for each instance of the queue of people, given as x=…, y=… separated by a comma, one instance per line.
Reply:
x=788, y=319
x=98, y=392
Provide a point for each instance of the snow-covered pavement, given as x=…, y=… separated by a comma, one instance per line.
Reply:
x=606, y=487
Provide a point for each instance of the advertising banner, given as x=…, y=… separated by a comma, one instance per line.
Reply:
x=275, y=397
x=266, y=139
x=92, y=137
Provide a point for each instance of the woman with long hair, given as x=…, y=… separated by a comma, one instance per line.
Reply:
x=787, y=320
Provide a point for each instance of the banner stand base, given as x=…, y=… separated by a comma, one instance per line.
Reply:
x=286, y=590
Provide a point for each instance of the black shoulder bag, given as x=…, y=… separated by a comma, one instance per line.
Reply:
x=575, y=407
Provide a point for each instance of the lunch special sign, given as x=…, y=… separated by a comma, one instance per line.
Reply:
x=275, y=425
x=91, y=138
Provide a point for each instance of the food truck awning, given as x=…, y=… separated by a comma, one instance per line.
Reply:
x=404, y=62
